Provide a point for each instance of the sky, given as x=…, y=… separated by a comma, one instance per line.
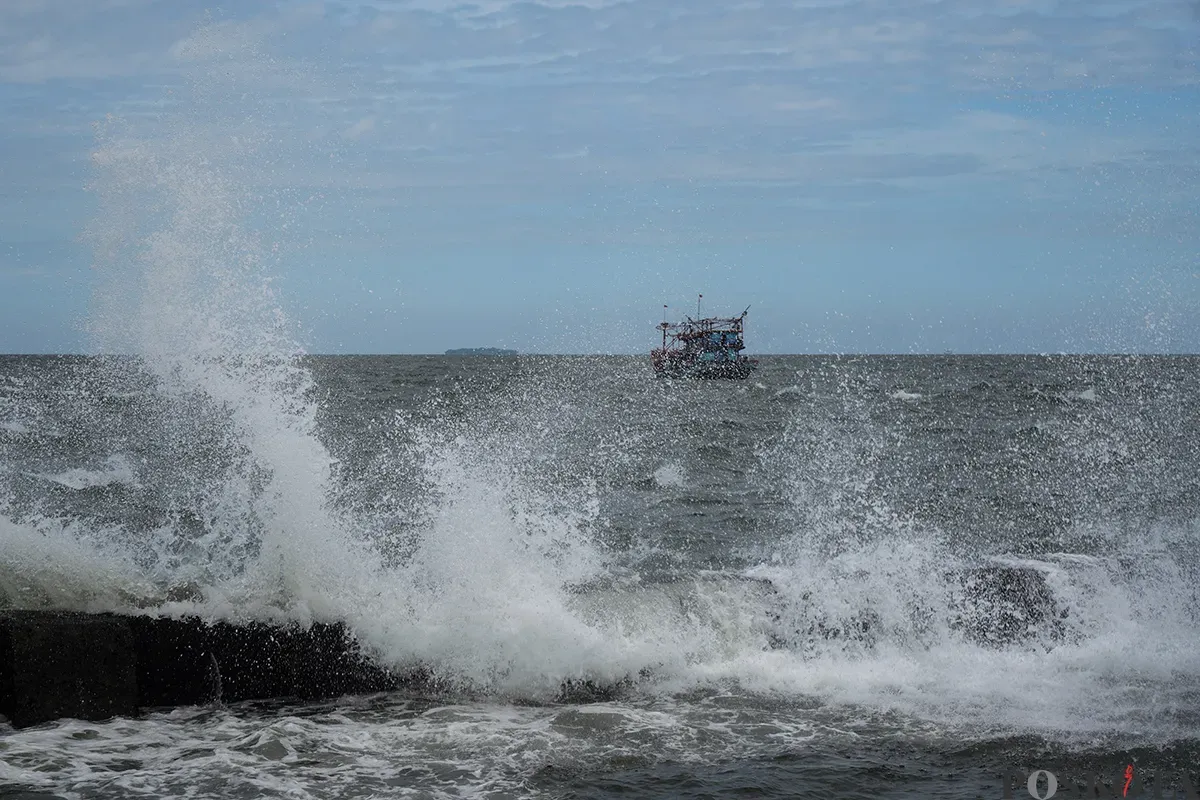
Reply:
x=904, y=176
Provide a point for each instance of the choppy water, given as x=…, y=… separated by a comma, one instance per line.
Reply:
x=512, y=523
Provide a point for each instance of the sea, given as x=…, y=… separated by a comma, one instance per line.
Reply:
x=710, y=549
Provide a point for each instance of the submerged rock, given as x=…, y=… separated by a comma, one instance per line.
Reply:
x=577, y=691
x=994, y=605
x=1000, y=605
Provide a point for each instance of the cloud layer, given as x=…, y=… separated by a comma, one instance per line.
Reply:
x=441, y=129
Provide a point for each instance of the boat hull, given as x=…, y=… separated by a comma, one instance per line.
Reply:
x=670, y=366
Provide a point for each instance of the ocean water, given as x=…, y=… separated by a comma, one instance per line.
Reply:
x=512, y=523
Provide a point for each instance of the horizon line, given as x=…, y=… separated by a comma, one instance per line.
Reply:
x=863, y=353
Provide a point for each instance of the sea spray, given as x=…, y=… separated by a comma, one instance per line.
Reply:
x=486, y=581
x=476, y=590
x=869, y=573
x=184, y=287
x=68, y=564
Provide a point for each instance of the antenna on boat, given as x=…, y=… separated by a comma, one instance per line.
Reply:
x=698, y=299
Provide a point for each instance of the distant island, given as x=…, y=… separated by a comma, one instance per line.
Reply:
x=480, y=351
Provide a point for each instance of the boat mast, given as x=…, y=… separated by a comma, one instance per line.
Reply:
x=698, y=299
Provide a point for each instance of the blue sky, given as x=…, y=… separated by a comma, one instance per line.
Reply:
x=905, y=176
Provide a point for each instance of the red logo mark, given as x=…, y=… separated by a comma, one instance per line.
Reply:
x=1128, y=780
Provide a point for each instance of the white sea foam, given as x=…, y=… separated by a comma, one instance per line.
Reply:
x=14, y=426
x=1121, y=685
x=670, y=476
x=68, y=565
x=117, y=469
x=901, y=394
x=1123, y=670
x=394, y=748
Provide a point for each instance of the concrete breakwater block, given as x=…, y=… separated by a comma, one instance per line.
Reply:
x=94, y=666
x=187, y=662
x=57, y=664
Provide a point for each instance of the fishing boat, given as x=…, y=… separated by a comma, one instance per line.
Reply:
x=704, y=347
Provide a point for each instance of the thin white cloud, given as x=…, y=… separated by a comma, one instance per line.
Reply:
x=484, y=93
x=571, y=155
x=363, y=127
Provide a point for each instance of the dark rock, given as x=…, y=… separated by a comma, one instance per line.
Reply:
x=59, y=664
x=95, y=666
x=586, y=690
x=189, y=662
x=995, y=605
x=800, y=626
x=1000, y=605
x=172, y=659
